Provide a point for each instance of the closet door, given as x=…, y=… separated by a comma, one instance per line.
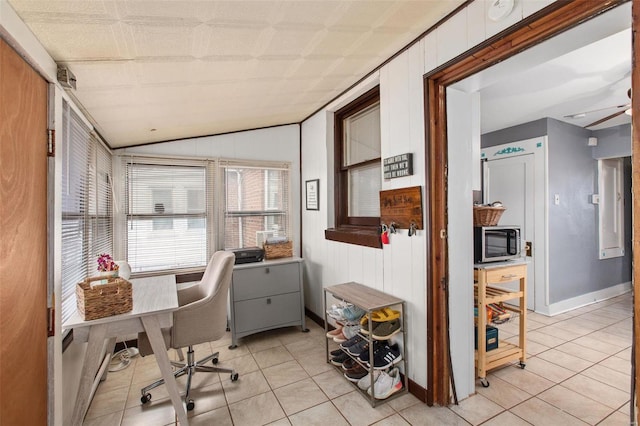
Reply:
x=23, y=242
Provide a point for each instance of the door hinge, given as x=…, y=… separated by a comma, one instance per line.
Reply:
x=51, y=322
x=51, y=142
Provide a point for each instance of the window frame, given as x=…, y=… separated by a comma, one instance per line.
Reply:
x=356, y=230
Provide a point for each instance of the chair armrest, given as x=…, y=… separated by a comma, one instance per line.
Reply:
x=188, y=295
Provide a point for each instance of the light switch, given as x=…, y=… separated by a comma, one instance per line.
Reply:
x=556, y=199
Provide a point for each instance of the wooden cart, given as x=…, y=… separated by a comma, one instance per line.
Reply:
x=488, y=289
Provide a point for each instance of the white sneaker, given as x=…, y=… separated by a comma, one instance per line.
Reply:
x=365, y=382
x=387, y=384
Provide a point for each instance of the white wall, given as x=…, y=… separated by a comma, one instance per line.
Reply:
x=400, y=267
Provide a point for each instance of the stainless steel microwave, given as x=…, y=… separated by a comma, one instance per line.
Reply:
x=496, y=243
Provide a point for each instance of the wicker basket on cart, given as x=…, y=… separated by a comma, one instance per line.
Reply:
x=486, y=215
x=103, y=300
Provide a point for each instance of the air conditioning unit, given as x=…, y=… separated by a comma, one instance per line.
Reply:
x=66, y=78
x=261, y=237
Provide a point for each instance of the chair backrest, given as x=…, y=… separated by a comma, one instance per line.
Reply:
x=205, y=319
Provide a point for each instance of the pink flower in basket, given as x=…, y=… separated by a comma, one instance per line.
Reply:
x=106, y=263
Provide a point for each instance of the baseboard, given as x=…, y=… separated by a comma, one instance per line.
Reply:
x=316, y=318
x=588, y=299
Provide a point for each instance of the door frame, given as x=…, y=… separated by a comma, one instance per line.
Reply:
x=538, y=147
x=539, y=27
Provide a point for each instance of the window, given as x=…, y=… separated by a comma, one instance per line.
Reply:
x=256, y=202
x=358, y=173
x=166, y=215
x=86, y=205
x=611, y=208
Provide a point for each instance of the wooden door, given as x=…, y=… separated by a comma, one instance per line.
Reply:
x=23, y=242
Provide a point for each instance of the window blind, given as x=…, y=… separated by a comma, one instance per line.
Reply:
x=166, y=212
x=86, y=205
x=256, y=203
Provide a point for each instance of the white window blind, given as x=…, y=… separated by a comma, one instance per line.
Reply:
x=166, y=211
x=256, y=203
x=86, y=205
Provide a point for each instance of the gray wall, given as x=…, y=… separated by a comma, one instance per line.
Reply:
x=613, y=142
x=574, y=267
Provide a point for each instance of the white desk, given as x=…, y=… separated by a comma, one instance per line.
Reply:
x=154, y=299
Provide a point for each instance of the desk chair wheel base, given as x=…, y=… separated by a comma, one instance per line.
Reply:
x=190, y=405
x=234, y=377
x=214, y=361
x=145, y=398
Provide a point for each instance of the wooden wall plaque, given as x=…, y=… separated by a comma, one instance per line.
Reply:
x=402, y=206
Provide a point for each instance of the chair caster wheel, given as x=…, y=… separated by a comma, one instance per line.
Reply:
x=214, y=361
x=522, y=365
x=190, y=405
x=145, y=398
x=234, y=377
x=484, y=383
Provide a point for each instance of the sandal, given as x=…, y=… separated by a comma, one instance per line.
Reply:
x=385, y=314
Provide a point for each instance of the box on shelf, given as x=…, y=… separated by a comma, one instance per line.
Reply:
x=491, y=338
x=278, y=250
x=103, y=300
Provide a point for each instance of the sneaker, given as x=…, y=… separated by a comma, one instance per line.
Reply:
x=350, y=331
x=377, y=346
x=386, y=329
x=339, y=359
x=354, y=340
x=387, y=384
x=336, y=352
x=359, y=348
x=353, y=313
x=386, y=357
x=365, y=382
x=333, y=333
x=340, y=338
x=336, y=311
x=364, y=325
x=349, y=364
x=356, y=373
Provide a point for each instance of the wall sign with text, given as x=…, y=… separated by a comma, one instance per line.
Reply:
x=398, y=166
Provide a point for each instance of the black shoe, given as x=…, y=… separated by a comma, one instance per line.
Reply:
x=353, y=341
x=338, y=360
x=386, y=357
x=336, y=352
x=377, y=345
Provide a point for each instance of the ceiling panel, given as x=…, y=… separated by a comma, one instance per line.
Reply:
x=191, y=68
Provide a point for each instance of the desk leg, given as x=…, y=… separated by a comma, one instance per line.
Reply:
x=152, y=328
x=90, y=366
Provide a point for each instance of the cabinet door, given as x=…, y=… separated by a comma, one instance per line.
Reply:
x=267, y=312
x=265, y=281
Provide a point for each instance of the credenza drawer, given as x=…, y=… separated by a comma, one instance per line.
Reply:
x=254, y=283
x=267, y=312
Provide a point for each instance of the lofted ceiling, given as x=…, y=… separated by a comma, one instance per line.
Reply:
x=161, y=70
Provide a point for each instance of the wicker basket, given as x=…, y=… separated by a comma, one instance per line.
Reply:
x=103, y=300
x=278, y=250
x=486, y=215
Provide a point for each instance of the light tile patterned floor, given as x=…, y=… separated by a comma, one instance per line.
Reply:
x=578, y=373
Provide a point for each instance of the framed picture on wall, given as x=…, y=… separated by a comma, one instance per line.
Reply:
x=313, y=189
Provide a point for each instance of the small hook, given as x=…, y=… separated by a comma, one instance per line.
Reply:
x=392, y=228
x=412, y=228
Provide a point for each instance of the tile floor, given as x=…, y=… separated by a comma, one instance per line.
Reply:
x=578, y=372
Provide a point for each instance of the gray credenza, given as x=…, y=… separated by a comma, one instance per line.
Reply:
x=266, y=295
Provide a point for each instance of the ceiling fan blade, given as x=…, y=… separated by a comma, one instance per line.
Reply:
x=583, y=113
x=608, y=117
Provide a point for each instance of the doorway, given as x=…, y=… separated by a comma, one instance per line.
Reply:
x=557, y=18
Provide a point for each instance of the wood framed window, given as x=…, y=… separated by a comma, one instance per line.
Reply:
x=358, y=174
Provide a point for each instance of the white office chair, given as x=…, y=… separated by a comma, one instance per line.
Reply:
x=202, y=317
